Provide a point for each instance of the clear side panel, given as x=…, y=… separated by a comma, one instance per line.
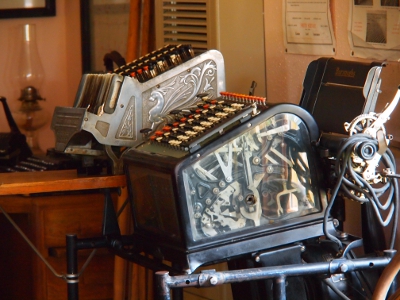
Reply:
x=260, y=178
x=153, y=202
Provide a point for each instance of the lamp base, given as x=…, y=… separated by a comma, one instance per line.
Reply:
x=29, y=123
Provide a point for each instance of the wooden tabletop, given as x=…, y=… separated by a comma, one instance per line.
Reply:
x=55, y=181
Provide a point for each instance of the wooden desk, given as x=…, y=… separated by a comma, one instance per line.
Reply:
x=46, y=219
x=54, y=181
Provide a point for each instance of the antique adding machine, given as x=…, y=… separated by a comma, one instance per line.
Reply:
x=110, y=109
x=216, y=176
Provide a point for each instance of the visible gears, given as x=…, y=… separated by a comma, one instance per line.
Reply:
x=257, y=178
x=361, y=124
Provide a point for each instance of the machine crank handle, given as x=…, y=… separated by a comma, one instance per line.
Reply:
x=385, y=115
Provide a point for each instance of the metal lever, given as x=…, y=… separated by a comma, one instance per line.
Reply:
x=252, y=88
x=371, y=88
x=384, y=116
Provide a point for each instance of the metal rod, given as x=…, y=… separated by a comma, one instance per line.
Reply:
x=211, y=278
x=72, y=267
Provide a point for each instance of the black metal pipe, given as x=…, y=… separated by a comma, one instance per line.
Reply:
x=92, y=243
x=72, y=276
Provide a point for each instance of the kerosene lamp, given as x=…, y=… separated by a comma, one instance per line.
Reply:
x=30, y=116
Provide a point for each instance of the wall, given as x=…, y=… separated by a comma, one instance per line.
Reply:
x=60, y=50
x=285, y=72
x=59, y=46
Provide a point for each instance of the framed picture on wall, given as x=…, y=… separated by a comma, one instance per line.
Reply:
x=27, y=8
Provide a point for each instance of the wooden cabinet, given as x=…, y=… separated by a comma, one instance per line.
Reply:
x=81, y=214
x=16, y=267
x=46, y=218
x=47, y=222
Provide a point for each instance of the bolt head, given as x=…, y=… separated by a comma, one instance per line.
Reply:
x=344, y=268
x=213, y=280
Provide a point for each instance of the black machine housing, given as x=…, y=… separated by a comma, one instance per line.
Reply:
x=171, y=211
x=188, y=210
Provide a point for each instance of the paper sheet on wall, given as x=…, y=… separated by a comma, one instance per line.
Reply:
x=374, y=29
x=308, y=27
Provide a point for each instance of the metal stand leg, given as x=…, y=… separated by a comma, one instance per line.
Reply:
x=162, y=288
x=280, y=288
x=72, y=267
